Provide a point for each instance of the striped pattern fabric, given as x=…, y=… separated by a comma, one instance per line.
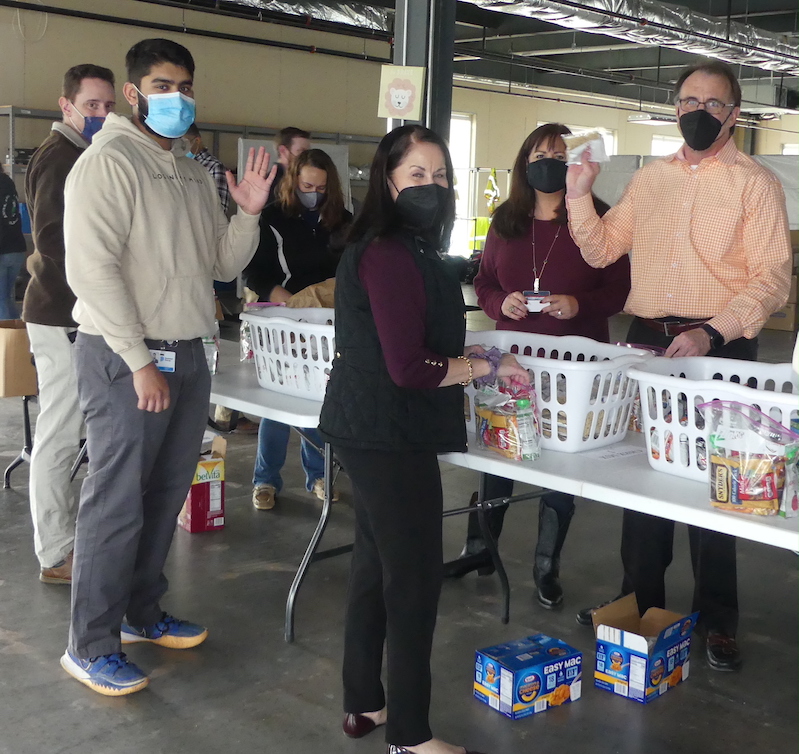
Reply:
x=705, y=242
x=217, y=171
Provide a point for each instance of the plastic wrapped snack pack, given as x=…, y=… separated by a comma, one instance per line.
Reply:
x=576, y=144
x=507, y=422
x=753, y=461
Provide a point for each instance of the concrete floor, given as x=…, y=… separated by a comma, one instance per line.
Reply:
x=245, y=690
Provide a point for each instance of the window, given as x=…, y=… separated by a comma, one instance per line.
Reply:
x=461, y=149
x=790, y=148
x=663, y=145
x=608, y=136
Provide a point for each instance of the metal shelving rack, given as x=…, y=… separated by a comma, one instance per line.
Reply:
x=13, y=112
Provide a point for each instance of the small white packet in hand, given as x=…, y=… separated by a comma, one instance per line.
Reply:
x=576, y=144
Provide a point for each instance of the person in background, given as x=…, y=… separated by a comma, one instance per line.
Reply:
x=145, y=238
x=393, y=402
x=197, y=151
x=529, y=248
x=707, y=231
x=301, y=240
x=12, y=246
x=87, y=97
x=290, y=143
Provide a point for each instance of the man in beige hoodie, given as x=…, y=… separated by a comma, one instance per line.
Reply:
x=145, y=238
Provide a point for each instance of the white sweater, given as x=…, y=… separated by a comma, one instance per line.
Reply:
x=145, y=239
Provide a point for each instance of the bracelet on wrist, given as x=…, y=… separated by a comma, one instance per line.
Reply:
x=469, y=379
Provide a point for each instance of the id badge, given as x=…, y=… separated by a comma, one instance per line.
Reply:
x=164, y=360
x=534, y=300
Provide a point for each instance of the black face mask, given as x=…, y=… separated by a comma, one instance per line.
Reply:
x=700, y=129
x=422, y=208
x=547, y=175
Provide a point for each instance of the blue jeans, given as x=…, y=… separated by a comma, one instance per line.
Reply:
x=273, y=440
x=10, y=266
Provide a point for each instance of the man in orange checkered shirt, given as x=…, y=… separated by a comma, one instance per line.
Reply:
x=707, y=231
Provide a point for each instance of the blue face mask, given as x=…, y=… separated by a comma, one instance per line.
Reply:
x=168, y=115
x=91, y=124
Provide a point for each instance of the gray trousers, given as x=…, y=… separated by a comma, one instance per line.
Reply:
x=141, y=465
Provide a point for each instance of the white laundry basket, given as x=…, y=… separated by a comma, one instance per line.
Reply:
x=583, y=391
x=671, y=390
x=293, y=348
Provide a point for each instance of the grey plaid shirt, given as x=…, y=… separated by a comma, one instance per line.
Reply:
x=217, y=171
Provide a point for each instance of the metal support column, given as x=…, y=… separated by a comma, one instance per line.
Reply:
x=425, y=36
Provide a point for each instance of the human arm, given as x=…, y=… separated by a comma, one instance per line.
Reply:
x=602, y=240
x=766, y=244
x=263, y=274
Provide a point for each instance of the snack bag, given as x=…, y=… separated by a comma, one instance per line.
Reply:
x=507, y=422
x=753, y=461
x=576, y=144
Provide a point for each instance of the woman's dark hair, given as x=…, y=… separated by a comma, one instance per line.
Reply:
x=331, y=213
x=378, y=215
x=512, y=218
x=151, y=52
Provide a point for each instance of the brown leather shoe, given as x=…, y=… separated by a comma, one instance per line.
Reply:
x=61, y=574
x=246, y=427
x=722, y=651
x=358, y=726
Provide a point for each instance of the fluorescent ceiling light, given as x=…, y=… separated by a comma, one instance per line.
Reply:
x=652, y=119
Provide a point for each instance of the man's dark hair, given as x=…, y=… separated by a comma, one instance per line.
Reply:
x=286, y=136
x=711, y=67
x=194, y=132
x=378, y=215
x=150, y=52
x=73, y=78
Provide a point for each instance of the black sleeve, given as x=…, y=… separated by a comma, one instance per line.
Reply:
x=263, y=272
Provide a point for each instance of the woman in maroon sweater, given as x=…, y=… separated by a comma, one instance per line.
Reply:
x=529, y=248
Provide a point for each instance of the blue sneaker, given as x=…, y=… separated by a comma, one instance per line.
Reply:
x=168, y=632
x=110, y=675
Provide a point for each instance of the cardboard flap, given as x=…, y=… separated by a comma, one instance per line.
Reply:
x=621, y=614
x=681, y=628
x=655, y=621
x=218, y=447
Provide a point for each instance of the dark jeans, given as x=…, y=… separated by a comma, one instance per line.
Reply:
x=140, y=468
x=646, y=541
x=497, y=486
x=395, y=581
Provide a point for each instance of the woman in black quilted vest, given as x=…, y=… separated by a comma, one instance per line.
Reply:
x=394, y=401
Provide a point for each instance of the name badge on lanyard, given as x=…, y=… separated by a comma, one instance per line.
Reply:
x=164, y=360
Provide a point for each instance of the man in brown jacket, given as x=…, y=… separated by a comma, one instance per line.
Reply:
x=87, y=97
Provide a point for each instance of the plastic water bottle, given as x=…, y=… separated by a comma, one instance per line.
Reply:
x=528, y=432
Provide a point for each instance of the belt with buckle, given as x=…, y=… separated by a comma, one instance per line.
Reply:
x=673, y=325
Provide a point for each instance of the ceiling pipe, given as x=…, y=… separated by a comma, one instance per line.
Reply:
x=655, y=22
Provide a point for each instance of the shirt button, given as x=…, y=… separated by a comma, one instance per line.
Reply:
x=674, y=264
x=668, y=295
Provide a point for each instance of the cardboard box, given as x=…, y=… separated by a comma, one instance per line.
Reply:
x=792, y=290
x=530, y=675
x=641, y=657
x=784, y=319
x=17, y=373
x=204, y=509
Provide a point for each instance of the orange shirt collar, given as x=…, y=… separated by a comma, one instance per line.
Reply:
x=727, y=154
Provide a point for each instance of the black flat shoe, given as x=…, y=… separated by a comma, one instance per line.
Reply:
x=358, y=726
x=586, y=616
x=478, y=561
x=722, y=651
x=549, y=593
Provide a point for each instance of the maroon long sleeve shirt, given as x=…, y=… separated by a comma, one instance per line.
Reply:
x=507, y=266
x=397, y=297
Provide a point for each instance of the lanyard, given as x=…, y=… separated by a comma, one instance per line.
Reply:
x=536, y=275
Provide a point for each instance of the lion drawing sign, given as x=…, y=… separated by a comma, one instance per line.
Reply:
x=401, y=92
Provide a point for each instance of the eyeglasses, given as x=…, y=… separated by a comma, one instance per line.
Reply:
x=713, y=106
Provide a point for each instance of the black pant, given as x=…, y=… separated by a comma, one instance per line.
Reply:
x=395, y=582
x=497, y=486
x=646, y=541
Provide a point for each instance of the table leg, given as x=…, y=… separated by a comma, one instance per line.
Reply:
x=27, y=447
x=483, y=506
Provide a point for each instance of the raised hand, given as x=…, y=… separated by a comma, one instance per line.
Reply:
x=580, y=178
x=252, y=190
